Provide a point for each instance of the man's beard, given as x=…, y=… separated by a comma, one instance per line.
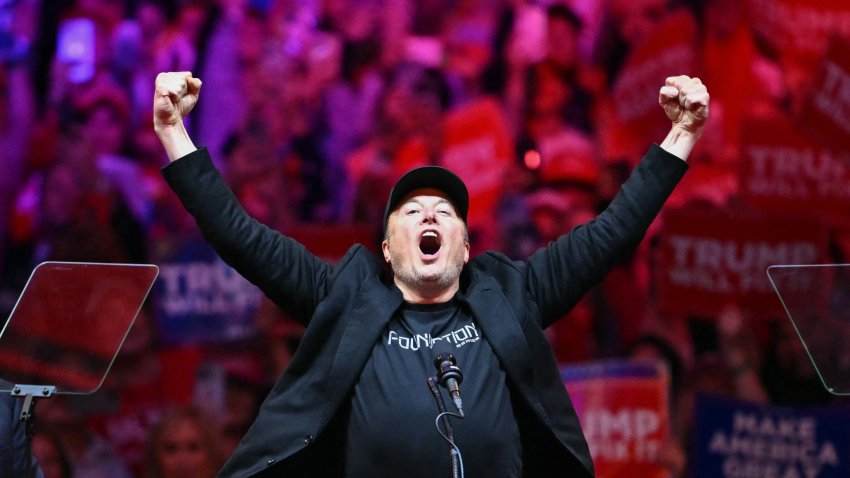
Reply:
x=440, y=280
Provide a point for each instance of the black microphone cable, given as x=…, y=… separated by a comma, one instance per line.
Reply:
x=455, y=450
x=457, y=458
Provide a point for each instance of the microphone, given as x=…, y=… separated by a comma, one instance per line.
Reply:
x=450, y=377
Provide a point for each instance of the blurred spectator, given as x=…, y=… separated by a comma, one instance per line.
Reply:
x=59, y=215
x=554, y=210
x=179, y=44
x=556, y=114
x=788, y=374
x=143, y=381
x=244, y=395
x=280, y=336
x=292, y=55
x=17, y=101
x=89, y=454
x=741, y=354
x=409, y=134
x=135, y=50
x=183, y=444
x=259, y=179
x=102, y=118
x=552, y=88
x=236, y=38
x=349, y=115
x=78, y=224
x=657, y=348
x=625, y=23
x=672, y=455
x=589, y=331
x=468, y=39
x=517, y=233
x=51, y=455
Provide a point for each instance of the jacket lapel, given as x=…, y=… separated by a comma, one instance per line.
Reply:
x=501, y=328
x=372, y=311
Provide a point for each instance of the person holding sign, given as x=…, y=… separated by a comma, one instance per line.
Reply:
x=353, y=400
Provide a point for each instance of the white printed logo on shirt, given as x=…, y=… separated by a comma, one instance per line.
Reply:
x=460, y=337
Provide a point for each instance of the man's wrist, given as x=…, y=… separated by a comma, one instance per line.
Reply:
x=680, y=141
x=176, y=141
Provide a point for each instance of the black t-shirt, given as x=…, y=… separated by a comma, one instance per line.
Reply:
x=391, y=430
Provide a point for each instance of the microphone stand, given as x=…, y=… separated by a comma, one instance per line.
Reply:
x=441, y=406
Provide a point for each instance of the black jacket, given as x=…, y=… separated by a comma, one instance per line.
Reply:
x=346, y=306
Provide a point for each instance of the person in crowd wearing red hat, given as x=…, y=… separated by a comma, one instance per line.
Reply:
x=353, y=400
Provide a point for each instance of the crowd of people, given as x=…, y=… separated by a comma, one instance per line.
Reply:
x=335, y=100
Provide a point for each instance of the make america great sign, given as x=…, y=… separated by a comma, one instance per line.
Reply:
x=735, y=439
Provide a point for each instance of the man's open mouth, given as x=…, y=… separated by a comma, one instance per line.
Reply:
x=429, y=243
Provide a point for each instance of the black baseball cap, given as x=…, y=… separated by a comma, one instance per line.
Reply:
x=435, y=177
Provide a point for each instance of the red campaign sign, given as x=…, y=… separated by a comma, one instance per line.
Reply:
x=799, y=30
x=710, y=259
x=783, y=171
x=624, y=413
x=825, y=114
x=668, y=50
x=478, y=148
x=714, y=183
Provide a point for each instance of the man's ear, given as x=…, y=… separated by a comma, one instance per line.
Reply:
x=385, y=248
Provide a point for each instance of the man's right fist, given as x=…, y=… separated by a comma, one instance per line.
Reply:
x=175, y=96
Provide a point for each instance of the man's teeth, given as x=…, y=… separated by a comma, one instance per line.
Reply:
x=429, y=234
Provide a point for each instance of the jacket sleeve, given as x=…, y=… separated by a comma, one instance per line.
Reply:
x=563, y=271
x=282, y=268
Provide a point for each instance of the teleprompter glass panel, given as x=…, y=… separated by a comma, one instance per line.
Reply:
x=817, y=301
x=70, y=322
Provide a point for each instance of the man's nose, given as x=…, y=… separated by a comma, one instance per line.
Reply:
x=429, y=217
